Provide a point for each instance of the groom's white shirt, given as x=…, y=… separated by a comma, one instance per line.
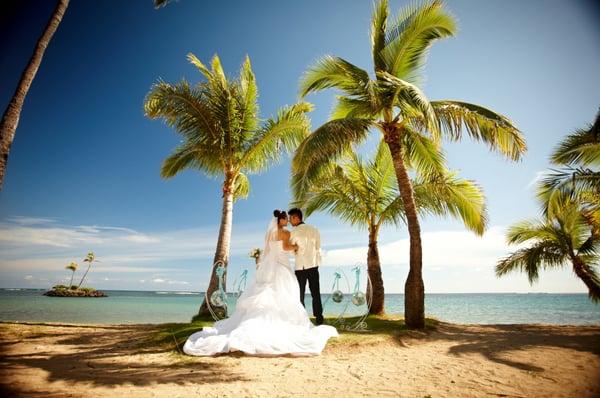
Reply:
x=309, y=246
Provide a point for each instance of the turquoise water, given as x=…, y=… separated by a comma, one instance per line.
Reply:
x=158, y=307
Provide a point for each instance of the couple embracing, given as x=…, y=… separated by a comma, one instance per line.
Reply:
x=270, y=318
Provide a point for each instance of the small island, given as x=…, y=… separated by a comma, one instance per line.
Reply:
x=74, y=291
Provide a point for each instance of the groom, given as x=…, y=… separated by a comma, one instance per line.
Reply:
x=308, y=259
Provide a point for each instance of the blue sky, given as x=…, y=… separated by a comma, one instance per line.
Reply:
x=83, y=173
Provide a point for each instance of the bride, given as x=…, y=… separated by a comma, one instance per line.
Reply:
x=268, y=318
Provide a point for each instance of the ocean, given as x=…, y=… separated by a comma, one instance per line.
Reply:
x=160, y=306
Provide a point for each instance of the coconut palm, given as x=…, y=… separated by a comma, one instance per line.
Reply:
x=73, y=268
x=365, y=194
x=218, y=120
x=563, y=238
x=10, y=118
x=578, y=155
x=393, y=104
x=90, y=258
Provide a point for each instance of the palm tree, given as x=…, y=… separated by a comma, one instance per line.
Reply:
x=10, y=118
x=222, y=136
x=365, y=194
x=90, y=258
x=73, y=268
x=393, y=104
x=578, y=155
x=564, y=237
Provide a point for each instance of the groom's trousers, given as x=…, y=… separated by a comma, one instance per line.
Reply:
x=312, y=276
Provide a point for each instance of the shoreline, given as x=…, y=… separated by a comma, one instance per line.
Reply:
x=395, y=316
x=307, y=293
x=524, y=360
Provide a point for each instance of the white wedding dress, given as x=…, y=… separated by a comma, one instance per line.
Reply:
x=268, y=319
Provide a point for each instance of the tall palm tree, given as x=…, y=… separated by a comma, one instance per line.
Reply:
x=578, y=157
x=10, y=118
x=565, y=237
x=393, y=104
x=365, y=194
x=73, y=268
x=218, y=120
x=90, y=258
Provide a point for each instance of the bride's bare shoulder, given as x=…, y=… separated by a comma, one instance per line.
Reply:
x=283, y=234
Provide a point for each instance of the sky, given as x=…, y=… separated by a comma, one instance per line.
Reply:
x=83, y=172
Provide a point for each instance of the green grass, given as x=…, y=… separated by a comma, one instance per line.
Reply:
x=173, y=335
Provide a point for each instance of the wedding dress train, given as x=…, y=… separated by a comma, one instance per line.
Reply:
x=268, y=319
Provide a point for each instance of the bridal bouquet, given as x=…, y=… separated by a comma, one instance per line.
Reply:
x=255, y=253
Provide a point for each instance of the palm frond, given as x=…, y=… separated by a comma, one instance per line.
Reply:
x=241, y=187
x=193, y=157
x=408, y=40
x=336, y=194
x=280, y=135
x=529, y=260
x=533, y=230
x=200, y=66
x=581, y=148
x=447, y=194
x=569, y=185
x=183, y=108
x=354, y=107
x=334, y=72
x=409, y=99
x=442, y=195
x=482, y=125
x=249, y=97
x=421, y=153
x=323, y=146
x=378, y=33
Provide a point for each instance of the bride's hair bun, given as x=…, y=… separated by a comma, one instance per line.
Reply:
x=280, y=214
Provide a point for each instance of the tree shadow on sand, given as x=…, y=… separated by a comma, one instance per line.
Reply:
x=498, y=342
x=110, y=357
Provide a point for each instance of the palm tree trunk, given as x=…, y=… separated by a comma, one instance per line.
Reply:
x=414, y=289
x=10, y=119
x=84, y=275
x=583, y=272
x=222, y=251
x=71, y=283
x=375, y=289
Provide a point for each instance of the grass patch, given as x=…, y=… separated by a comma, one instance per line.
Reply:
x=172, y=336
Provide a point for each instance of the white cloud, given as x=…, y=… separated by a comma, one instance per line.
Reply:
x=139, y=238
x=440, y=249
x=178, y=283
x=21, y=220
x=28, y=277
x=167, y=281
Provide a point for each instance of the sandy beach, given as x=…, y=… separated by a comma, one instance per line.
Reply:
x=449, y=361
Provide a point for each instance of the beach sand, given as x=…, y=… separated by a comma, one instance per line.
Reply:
x=451, y=361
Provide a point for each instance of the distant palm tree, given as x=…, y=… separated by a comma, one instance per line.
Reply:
x=393, y=104
x=90, y=258
x=565, y=237
x=365, y=194
x=10, y=118
x=223, y=136
x=579, y=177
x=73, y=268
